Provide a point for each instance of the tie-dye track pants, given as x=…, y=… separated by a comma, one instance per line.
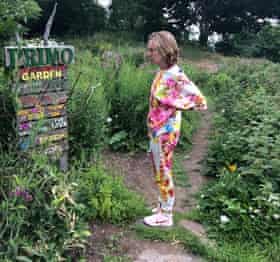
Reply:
x=162, y=148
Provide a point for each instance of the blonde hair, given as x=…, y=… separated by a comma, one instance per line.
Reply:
x=167, y=46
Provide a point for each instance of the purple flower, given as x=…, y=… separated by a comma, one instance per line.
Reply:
x=24, y=126
x=21, y=193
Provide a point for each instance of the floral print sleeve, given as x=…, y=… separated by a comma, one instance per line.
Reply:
x=177, y=91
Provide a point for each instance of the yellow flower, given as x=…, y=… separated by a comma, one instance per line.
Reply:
x=232, y=167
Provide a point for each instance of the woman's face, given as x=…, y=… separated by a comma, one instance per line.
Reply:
x=153, y=54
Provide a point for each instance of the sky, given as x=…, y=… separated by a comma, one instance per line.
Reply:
x=104, y=3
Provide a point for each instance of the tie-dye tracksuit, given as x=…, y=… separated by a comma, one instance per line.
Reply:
x=171, y=92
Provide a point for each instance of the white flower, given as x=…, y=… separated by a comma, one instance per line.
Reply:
x=109, y=120
x=257, y=211
x=224, y=219
x=276, y=216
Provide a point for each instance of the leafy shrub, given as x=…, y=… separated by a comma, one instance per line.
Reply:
x=14, y=12
x=265, y=43
x=87, y=107
x=244, y=155
x=40, y=218
x=107, y=198
x=269, y=42
x=128, y=97
x=243, y=44
x=7, y=113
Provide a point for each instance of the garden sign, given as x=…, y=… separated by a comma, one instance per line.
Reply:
x=42, y=91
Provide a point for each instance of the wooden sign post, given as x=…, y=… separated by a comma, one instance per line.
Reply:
x=42, y=91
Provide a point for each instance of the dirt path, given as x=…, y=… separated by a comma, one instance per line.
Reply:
x=136, y=171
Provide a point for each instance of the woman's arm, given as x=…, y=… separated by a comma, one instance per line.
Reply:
x=180, y=92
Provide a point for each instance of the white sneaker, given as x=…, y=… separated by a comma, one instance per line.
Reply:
x=159, y=220
x=157, y=209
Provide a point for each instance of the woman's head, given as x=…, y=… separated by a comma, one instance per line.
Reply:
x=162, y=49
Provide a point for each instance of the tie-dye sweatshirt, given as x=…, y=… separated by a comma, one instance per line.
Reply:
x=171, y=92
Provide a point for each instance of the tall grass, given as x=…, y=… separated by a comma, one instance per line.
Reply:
x=88, y=108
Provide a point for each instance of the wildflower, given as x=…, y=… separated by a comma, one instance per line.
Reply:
x=109, y=120
x=22, y=193
x=276, y=216
x=232, y=167
x=257, y=211
x=224, y=219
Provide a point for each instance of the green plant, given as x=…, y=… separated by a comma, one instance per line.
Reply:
x=244, y=151
x=40, y=218
x=107, y=198
x=88, y=109
x=128, y=97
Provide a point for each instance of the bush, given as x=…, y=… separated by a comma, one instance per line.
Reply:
x=7, y=114
x=244, y=155
x=265, y=43
x=88, y=108
x=269, y=43
x=107, y=198
x=128, y=97
x=40, y=218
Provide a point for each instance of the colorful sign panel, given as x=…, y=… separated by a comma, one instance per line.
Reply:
x=42, y=91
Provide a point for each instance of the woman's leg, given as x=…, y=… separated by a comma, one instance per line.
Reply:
x=164, y=178
x=162, y=149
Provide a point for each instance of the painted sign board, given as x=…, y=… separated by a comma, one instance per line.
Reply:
x=42, y=89
x=30, y=56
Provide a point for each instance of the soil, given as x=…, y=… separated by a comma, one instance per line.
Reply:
x=136, y=170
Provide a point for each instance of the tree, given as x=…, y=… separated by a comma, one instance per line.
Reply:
x=125, y=15
x=141, y=16
x=155, y=18
x=222, y=16
x=14, y=13
x=232, y=16
x=76, y=17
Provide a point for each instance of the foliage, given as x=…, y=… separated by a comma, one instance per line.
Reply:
x=125, y=16
x=223, y=17
x=44, y=213
x=141, y=16
x=79, y=17
x=87, y=105
x=14, y=13
x=40, y=218
x=249, y=44
x=244, y=154
x=107, y=199
x=7, y=113
x=269, y=43
x=128, y=97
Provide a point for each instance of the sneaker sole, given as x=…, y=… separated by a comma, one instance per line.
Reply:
x=157, y=225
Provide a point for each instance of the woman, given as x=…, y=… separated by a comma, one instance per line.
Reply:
x=171, y=92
